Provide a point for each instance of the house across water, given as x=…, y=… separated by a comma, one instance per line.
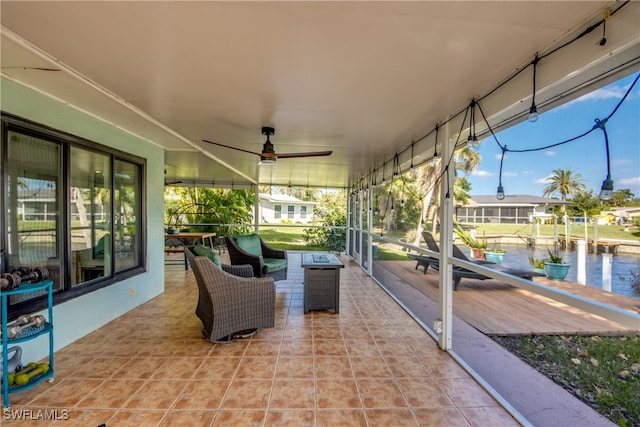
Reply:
x=513, y=209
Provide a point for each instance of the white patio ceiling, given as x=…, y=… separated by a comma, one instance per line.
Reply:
x=363, y=79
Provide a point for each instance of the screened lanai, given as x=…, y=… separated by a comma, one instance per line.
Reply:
x=120, y=99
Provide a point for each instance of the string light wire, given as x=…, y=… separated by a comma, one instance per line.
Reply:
x=538, y=57
x=607, y=185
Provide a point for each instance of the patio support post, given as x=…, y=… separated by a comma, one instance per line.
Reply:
x=445, y=289
x=349, y=229
x=360, y=196
x=369, y=213
x=256, y=211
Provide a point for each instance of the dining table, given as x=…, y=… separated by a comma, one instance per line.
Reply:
x=191, y=237
x=176, y=242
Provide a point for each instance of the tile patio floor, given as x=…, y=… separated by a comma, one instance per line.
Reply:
x=369, y=365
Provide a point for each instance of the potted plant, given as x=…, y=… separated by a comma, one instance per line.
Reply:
x=554, y=267
x=478, y=247
x=537, y=264
x=494, y=255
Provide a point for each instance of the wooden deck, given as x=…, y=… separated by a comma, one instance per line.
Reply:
x=496, y=308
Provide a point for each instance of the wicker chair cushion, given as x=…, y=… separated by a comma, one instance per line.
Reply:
x=274, y=264
x=249, y=243
x=201, y=250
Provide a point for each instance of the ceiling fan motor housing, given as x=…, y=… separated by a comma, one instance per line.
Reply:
x=267, y=148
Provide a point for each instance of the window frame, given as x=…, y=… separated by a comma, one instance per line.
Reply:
x=9, y=122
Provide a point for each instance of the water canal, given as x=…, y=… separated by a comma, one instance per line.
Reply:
x=517, y=256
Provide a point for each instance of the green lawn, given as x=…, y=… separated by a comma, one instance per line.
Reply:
x=525, y=230
x=288, y=238
x=603, y=372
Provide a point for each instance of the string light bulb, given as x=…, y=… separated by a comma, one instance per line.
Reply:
x=500, y=192
x=533, y=114
x=606, y=192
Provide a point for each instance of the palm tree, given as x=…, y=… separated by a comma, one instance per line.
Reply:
x=465, y=161
x=565, y=182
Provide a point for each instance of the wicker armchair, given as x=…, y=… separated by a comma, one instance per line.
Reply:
x=265, y=260
x=228, y=304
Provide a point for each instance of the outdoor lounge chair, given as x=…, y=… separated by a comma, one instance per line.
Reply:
x=425, y=261
x=232, y=303
x=459, y=272
x=251, y=249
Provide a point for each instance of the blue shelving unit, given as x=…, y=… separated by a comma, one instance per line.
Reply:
x=27, y=335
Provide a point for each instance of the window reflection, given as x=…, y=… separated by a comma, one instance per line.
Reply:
x=127, y=212
x=90, y=215
x=33, y=210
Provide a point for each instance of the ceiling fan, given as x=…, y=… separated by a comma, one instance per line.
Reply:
x=31, y=68
x=268, y=156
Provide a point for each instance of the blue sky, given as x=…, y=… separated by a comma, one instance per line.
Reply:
x=525, y=173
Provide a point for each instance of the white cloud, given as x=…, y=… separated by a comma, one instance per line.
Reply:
x=622, y=162
x=510, y=174
x=630, y=181
x=544, y=180
x=527, y=172
x=549, y=153
x=482, y=173
x=611, y=92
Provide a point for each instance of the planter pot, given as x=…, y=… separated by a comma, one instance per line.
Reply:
x=539, y=270
x=556, y=271
x=494, y=256
x=478, y=253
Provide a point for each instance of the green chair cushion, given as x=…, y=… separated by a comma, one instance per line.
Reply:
x=249, y=243
x=201, y=250
x=274, y=264
x=99, y=250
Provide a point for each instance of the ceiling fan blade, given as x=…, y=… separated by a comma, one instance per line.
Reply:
x=31, y=68
x=233, y=148
x=309, y=154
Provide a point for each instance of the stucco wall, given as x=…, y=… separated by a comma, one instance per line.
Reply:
x=80, y=316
